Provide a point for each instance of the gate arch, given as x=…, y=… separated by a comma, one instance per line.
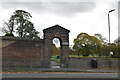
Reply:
x=63, y=35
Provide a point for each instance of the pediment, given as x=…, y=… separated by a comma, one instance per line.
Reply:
x=56, y=28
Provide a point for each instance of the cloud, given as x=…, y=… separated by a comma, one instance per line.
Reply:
x=59, y=8
x=91, y=16
x=119, y=19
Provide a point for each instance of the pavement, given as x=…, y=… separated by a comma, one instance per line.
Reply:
x=56, y=67
x=54, y=64
x=102, y=74
x=56, y=73
x=91, y=70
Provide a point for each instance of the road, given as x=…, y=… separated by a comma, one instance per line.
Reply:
x=58, y=79
x=60, y=75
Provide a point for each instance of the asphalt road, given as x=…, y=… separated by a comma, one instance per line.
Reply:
x=60, y=75
x=59, y=79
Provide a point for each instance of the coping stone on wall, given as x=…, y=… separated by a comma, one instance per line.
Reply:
x=19, y=39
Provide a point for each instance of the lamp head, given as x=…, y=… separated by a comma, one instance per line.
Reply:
x=112, y=10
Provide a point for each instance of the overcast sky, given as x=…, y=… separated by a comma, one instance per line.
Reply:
x=89, y=17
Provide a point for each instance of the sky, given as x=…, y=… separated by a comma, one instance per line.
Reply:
x=77, y=16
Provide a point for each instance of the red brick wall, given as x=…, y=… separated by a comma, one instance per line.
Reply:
x=16, y=49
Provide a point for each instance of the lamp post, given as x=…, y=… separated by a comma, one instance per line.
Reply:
x=109, y=24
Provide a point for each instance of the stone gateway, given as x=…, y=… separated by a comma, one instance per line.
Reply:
x=27, y=53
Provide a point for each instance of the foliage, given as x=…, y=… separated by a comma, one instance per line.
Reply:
x=28, y=31
x=10, y=35
x=117, y=42
x=114, y=48
x=55, y=53
x=24, y=28
x=99, y=36
x=8, y=27
x=54, y=58
x=21, y=20
x=85, y=45
x=55, y=50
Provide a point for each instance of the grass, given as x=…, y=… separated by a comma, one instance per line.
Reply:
x=76, y=56
x=91, y=56
x=54, y=58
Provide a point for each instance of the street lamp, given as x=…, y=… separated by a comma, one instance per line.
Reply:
x=109, y=25
x=109, y=22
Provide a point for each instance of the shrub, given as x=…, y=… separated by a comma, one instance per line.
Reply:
x=9, y=34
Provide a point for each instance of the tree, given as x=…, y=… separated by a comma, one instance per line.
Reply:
x=117, y=42
x=21, y=20
x=105, y=49
x=100, y=37
x=24, y=28
x=28, y=31
x=55, y=50
x=85, y=44
x=8, y=27
x=114, y=48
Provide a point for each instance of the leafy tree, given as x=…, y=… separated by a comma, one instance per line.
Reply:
x=114, y=48
x=24, y=28
x=104, y=51
x=21, y=20
x=55, y=50
x=117, y=42
x=85, y=44
x=28, y=31
x=100, y=37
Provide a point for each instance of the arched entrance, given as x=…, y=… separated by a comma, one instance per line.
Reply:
x=56, y=49
x=63, y=35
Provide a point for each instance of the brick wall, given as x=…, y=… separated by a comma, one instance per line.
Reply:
x=86, y=63
x=22, y=52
